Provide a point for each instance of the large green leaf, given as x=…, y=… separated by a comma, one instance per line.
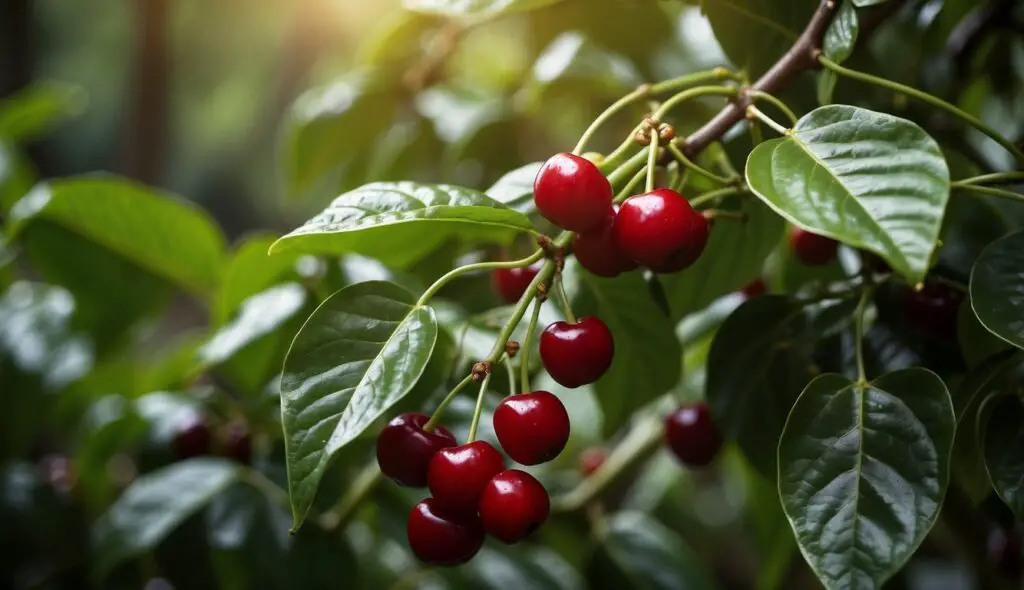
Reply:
x=841, y=35
x=648, y=358
x=474, y=8
x=636, y=551
x=997, y=288
x=863, y=470
x=399, y=222
x=976, y=343
x=260, y=315
x=868, y=179
x=329, y=129
x=515, y=188
x=154, y=505
x=1004, y=437
x=160, y=233
x=28, y=114
x=756, y=33
x=250, y=269
x=766, y=337
x=360, y=353
x=735, y=254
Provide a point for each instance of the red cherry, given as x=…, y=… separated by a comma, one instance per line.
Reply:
x=458, y=475
x=812, y=249
x=439, y=538
x=236, y=443
x=599, y=253
x=511, y=283
x=934, y=309
x=572, y=193
x=592, y=459
x=514, y=504
x=532, y=427
x=404, y=449
x=754, y=288
x=577, y=354
x=191, y=438
x=660, y=230
x=692, y=434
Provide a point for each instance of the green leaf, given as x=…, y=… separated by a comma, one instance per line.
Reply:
x=863, y=470
x=169, y=237
x=868, y=179
x=535, y=568
x=515, y=188
x=826, y=86
x=734, y=256
x=1004, y=437
x=841, y=35
x=30, y=113
x=17, y=176
x=648, y=358
x=154, y=505
x=637, y=551
x=399, y=222
x=360, y=352
x=474, y=8
x=997, y=285
x=329, y=128
x=976, y=343
x=249, y=270
x=862, y=3
x=755, y=33
x=766, y=337
x=260, y=315
x=573, y=59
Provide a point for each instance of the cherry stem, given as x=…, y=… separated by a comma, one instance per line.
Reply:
x=753, y=111
x=454, y=273
x=987, y=190
x=628, y=168
x=691, y=165
x=563, y=300
x=652, y=160
x=439, y=412
x=757, y=95
x=627, y=190
x=692, y=93
x=710, y=214
x=950, y=283
x=862, y=306
x=524, y=355
x=994, y=178
x=267, y=487
x=927, y=98
x=756, y=137
x=717, y=194
x=511, y=375
x=479, y=410
x=364, y=483
x=543, y=275
x=680, y=183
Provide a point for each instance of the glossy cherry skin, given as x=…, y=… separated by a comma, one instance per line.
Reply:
x=692, y=435
x=592, y=459
x=599, y=253
x=812, y=249
x=754, y=288
x=571, y=192
x=440, y=538
x=577, y=354
x=404, y=449
x=192, y=438
x=511, y=283
x=458, y=475
x=934, y=309
x=660, y=230
x=532, y=427
x=514, y=504
x=236, y=443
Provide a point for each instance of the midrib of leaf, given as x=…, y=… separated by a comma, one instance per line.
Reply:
x=758, y=18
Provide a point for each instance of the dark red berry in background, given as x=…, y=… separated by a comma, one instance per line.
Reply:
x=191, y=438
x=404, y=449
x=458, y=475
x=692, y=435
x=812, y=249
x=599, y=253
x=577, y=354
x=514, y=504
x=236, y=442
x=592, y=459
x=571, y=192
x=660, y=230
x=511, y=283
x=439, y=538
x=754, y=288
x=532, y=427
x=934, y=309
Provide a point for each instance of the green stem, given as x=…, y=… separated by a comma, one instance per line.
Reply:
x=652, y=160
x=692, y=93
x=447, y=277
x=627, y=190
x=756, y=112
x=683, y=179
x=563, y=300
x=716, y=74
x=988, y=190
x=268, y=488
x=994, y=178
x=761, y=95
x=628, y=168
x=640, y=92
x=710, y=214
x=524, y=354
x=927, y=98
x=715, y=194
x=862, y=306
x=691, y=165
x=479, y=409
x=543, y=275
x=724, y=163
x=511, y=375
x=756, y=137
x=354, y=496
x=439, y=412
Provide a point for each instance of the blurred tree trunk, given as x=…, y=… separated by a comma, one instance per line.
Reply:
x=144, y=140
x=15, y=45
